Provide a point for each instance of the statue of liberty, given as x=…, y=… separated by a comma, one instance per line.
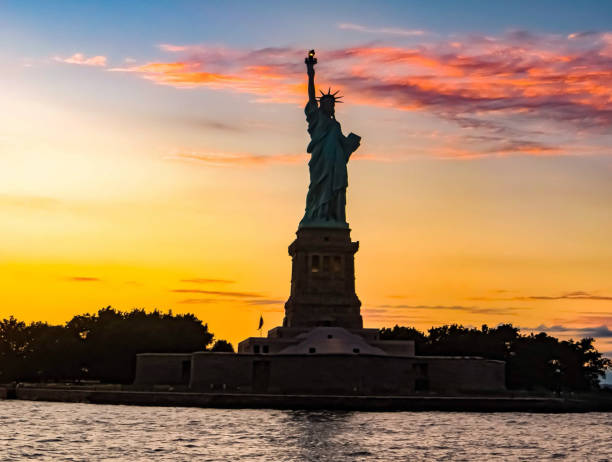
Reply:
x=330, y=151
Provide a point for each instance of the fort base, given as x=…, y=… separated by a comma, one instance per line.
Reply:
x=322, y=347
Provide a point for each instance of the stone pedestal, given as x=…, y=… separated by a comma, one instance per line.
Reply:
x=323, y=280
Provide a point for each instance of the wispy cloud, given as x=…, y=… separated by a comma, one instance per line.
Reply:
x=470, y=309
x=221, y=293
x=591, y=319
x=230, y=158
x=496, y=89
x=579, y=35
x=382, y=30
x=29, y=202
x=207, y=281
x=82, y=60
x=396, y=317
x=83, y=279
x=575, y=295
x=198, y=301
x=216, y=125
x=238, y=299
x=597, y=332
x=579, y=295
x=173, y=48
x=265, y=301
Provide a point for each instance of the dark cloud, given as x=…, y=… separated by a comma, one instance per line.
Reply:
x=263, y=305
x=221, y=293
x=371, y=311
x=470, y=309
x=595, y=332
x=395, y=318
x=207, y=281
x=209, y=124
x=265, y=301
x=601, y=332
x=198, y=301
x=449, y=104
x=576, y=295
x=543, y=327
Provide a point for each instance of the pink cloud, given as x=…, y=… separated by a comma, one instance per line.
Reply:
x=81, y=59
x=497, y=88
x=245, y=159
x=172, y=48
x=514, y=74
x=381, y=30
x=237, y=158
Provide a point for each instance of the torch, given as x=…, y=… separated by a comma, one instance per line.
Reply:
x=311, y=58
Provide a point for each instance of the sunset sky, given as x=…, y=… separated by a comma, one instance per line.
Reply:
x=153, y=154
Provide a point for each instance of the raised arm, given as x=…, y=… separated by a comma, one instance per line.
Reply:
x=310, y=63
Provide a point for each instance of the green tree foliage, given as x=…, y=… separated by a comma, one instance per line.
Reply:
x=101, y=346
x=533, y=362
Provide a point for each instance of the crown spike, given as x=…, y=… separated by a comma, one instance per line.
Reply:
x=331, y=95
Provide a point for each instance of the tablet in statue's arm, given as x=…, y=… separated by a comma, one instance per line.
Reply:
x=353, y=141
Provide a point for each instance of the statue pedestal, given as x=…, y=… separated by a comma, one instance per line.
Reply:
x=323, y=280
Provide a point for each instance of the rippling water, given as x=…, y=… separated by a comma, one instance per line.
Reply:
x=63, y=431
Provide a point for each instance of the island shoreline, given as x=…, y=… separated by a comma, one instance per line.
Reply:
x=457, y=403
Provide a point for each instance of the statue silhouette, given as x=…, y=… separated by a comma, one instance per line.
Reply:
x=330, y=151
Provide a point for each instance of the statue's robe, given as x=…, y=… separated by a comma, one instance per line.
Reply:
x=330, y=152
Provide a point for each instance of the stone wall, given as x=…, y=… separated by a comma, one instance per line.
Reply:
x=342, y=374
x=395, y=347
x=221, y=372
x=163, y=369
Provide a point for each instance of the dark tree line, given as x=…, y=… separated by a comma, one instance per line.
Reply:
x=533, y=362
x=103, y=346
x=100, y=346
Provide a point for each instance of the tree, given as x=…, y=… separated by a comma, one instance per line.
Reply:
x=222, y=346
x=535, y=361
x=404, y=333
x=100, y=346
x=14, y=341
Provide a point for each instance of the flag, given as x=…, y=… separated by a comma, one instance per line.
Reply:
x=260, y=321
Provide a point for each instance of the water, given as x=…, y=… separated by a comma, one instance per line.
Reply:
x=86, y=432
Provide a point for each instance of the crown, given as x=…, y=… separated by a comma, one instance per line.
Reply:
x=331, y=95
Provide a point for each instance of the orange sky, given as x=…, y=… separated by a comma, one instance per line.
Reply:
x=175, y=179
